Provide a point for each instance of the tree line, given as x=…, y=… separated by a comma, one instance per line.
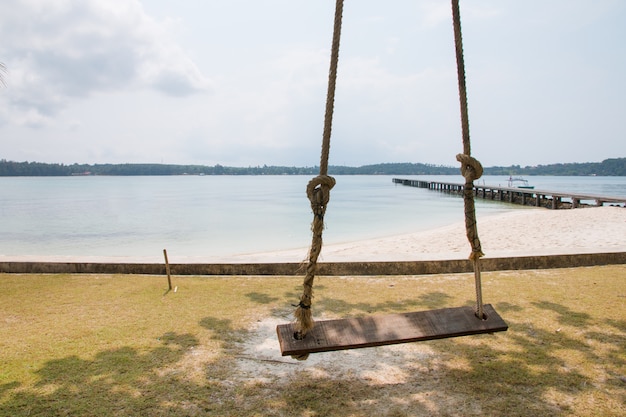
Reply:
x=608, y=167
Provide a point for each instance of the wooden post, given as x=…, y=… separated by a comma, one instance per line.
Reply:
x=167, y=269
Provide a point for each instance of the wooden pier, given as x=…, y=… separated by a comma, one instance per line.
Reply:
x=524, y=196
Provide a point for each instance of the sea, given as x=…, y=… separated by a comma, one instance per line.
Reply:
x=217, y=216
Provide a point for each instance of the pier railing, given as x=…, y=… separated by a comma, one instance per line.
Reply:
x=523, y=196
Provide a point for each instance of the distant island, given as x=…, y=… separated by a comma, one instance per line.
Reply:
x=608, y=167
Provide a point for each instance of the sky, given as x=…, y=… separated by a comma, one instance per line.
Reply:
x=244, y=82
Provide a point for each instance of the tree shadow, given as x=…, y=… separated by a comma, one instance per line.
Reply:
x=618, y=324
x=8, y=387
x=546, y=374
x=467, y=376
x=505, y=307
x=536, y=380
x=216, y=325
x=260, y=298
x=565, y=314
x=122, y=381
x=432, y=300
x=521, y=382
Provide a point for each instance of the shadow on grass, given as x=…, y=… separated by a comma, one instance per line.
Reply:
x=537, y=380
x=7, y=387
x=120, y=381
x=261, y=298
x=540, y=371
x=222, y=330
x=471, y=376
x=428, y=301
x=565, y=315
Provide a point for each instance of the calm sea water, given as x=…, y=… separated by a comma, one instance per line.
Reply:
x=204, y=216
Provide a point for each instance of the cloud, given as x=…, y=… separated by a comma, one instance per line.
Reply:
x=123, y=81
x=58, y=50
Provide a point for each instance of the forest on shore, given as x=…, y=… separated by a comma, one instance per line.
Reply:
x=608, y=167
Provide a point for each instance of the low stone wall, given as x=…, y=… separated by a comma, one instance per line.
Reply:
x=329, y=269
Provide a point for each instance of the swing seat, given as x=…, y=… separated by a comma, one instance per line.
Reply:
x=361, y=332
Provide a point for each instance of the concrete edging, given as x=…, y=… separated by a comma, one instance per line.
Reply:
x=329, y=269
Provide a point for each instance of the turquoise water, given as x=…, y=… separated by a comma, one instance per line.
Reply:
x=226, y=215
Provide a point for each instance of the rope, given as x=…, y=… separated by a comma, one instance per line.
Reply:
x=332, y=81
x=471, y=169
x=318, y=190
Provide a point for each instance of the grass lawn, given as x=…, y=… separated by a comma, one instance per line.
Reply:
x=119, y=345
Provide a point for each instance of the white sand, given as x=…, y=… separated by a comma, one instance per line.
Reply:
x=528, y=231
x=518, y=233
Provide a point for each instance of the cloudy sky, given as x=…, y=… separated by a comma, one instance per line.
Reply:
x=243, y=82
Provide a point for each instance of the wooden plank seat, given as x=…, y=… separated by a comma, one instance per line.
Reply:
x=360, y=332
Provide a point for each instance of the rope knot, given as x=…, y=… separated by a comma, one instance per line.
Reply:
x=318, y=192
x=471, y=169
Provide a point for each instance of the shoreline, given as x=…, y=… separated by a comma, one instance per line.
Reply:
x=529, y=232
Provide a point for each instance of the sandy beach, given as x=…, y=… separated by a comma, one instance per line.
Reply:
x=523, y=232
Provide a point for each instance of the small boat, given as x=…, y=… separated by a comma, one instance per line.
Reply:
x=519, y=182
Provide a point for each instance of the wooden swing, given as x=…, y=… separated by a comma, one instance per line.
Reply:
x=302, y=337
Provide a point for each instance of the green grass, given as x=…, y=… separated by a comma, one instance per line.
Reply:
x=94, y=345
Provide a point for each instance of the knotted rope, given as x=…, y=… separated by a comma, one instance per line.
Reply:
x=471, y=169
x=318, y=190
